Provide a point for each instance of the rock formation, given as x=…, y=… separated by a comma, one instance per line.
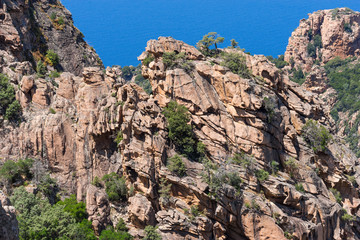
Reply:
x=339, y=32
x=70, y=123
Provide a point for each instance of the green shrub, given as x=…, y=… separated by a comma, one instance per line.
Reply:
x=269, y=105
x=314, y=45
x=274, y=165
x=236, y=63
x=244, y=160
x=41, y=69
x=174, y=60
x=75, y=208
x=177, y=166
x=53, y=16
x=13, y=112
x=96, y=182
x=144, y=83
x=337, y=195
x=110, y=234
x=52, y=58
x=48, y=187
x=316, y=135
x=115, y=187
x=40, y=220
x=127, y=73
x=348, y=218
x=9, y=107
x=347, y=27
x=60, y=21
x=121, y=226
x=291, y=165
x=279, y=62
x=262, y=175
x=149, y=58
x=299, y=187
x=54, y=74
x=233, y=179
x=119, y=138
x=52, y=111
x=12, y=171
x=234, y=44
x=298, y=76
x=165, y=189
x=180, y=132
x=151, y=233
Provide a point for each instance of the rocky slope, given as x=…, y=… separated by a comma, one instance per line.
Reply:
x=30, y=28
x=337, y=30
x=71, y=123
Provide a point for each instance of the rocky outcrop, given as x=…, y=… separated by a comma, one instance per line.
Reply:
x=339, y=32
x=9, y=225
x=30, y=28
x=71, y=123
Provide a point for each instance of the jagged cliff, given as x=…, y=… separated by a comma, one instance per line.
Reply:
x=71, y=124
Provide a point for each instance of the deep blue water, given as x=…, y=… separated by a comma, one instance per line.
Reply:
x=119, y=29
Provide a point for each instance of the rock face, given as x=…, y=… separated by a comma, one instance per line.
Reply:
x=71, y=124
x=30, y=28
x=9, y=225
x=340, y=36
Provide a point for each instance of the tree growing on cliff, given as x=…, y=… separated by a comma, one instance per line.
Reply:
x=209, y=40
x=180, y=131
x=316, y=135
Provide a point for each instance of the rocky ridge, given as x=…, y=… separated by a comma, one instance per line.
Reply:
x=71, y=123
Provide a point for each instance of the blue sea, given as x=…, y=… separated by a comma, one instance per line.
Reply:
x=119, y=29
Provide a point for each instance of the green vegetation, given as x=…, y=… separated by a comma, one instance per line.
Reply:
x=269, y=105
x=115, y=187
x=291, y=165
x=337, y=195
x=149, y=58
x=54, y=74
x=253, y=205
x=41, y=69
x=347, y=27
x=119, y=137
x=234, y=44
x=96, y=182
x=52, y=111
x=180, y=131
x=313, y=46
x=9, y=107
x=177, y=166
x=52, y=58
x=53, y=16
x=298, y=76
x=279, y=62
x=299, y=187
x=209, y=40
x=244, y=160
x=144, y=83
x=151, y=233
x=344, y=77
x=127, y=72
x=262, y=175
x=165, y=189
x=40, y=220
x=217, y=178
x=111, y=234
x=174, y=60
x=60, y=21
x=12, y=171
x=316, y=135
x=236, y=63
x=348, y=218
x=274, y=165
